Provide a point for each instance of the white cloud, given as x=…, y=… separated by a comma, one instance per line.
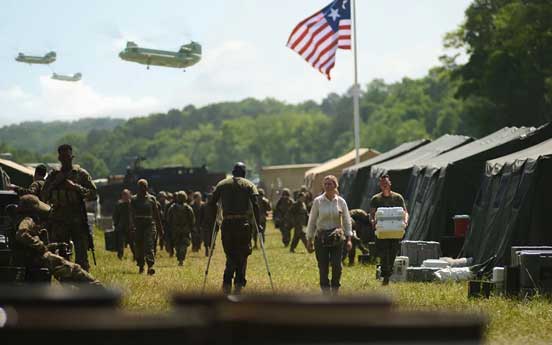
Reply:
x=68, y=101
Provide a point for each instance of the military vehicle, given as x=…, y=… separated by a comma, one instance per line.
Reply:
x=42, y=60
x=62, y=77
x=188, y=55
x=170, y=179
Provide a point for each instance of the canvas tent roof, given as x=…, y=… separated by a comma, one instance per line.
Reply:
x=355, y=176
x=314, y=176
x=19, y=174
x=447, y=185
x=276, y=177
x=512, y=205
x=399, y=169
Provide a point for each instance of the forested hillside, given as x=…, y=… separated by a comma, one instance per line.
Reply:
x=507, y=81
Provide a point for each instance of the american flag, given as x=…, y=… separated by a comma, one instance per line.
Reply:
x=318, y=37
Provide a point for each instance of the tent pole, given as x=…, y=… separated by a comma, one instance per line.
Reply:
x=356, y=90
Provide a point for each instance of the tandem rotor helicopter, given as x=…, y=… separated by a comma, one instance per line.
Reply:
x=41, y=60
x=188, y=55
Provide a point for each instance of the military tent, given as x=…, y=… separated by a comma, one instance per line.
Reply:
x=353, y=178
x=276, y=177
x=400, y=168
x=19, y=174
x=513, y=204
x=314, y=176
x=445, y=186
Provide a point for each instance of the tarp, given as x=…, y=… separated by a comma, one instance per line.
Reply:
x=353, y=178
x=513, y=205
x=445, y=186
x=19, y=174
x=314, y=176
x=400, y=168
x=276, y=177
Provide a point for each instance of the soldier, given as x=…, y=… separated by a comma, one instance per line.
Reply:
x=121, y=223
x=196, y=234
x=281, y=217
x=181, y=221
x=387, y=249
x=35, y=188
x=38, y=253
x=239, y=203
x=360, y=222
x=66, y=190
x=264, y=208
x=145, y=219
x=298, y=215
x=206, y=223
x=165, y=241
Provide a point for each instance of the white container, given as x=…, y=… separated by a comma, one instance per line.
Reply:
x=435, y=263
x=390, y=213
x=392, y=234
x=399, y=269
x=390, y=223
x=498, y=275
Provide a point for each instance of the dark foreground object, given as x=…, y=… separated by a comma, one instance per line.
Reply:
x=91, y=316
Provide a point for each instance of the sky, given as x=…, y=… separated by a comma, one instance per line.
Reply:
x=244, y=52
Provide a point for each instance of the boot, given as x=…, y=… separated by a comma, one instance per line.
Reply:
x=385, y=281
x=180, y=262
x=141, y=269
x=226, y=289
x=151, y=271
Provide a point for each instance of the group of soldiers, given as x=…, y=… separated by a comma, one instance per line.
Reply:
x=172, y=221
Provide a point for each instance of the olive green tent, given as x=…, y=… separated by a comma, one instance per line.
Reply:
x=19, y=174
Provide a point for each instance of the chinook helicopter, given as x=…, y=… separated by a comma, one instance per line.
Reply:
x=43, y=60
x=74, y=77
x=188, y=55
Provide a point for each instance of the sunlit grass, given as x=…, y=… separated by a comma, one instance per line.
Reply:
x=511, y=321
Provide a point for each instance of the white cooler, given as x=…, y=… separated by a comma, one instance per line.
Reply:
x=390, y=223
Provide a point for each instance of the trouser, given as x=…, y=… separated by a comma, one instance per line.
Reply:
x=387, y=251
x=356, y=243
x=145, y=243
x=196, y=239
x=326, y=257
x=207, y=234
x=66, y=271
x=123, y=239
x=181, y=241
x=286, y=233
x=67, y=229
x=236, y=241
x=298, y=235
x=167, y=235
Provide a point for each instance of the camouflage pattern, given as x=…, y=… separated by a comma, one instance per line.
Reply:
x=282, y=219
x=28, y=237
x=34, y=188
x=67, y=218
x=121, y=224
x=298, y=216
x=145, y=218
x=181, y=221
x=196, y=233
x=264, y=208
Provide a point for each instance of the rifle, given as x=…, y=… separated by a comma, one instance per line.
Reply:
x=88, y=230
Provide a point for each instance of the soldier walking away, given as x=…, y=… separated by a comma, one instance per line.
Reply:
x=35, y=188
x=181, y=221
x=163, y=205
x=66, y=191
x=281, y=216
x=238, y=197
x=31, y=240
x=386, y=248
x=298, y=214
x=121, y=223
x=360, y=222
x=205, y=222
x=264, y=208
x=196, y=234
x=145, y=220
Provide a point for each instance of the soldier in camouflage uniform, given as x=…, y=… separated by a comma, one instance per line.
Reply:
x=164, y=205
x=281, y=216
x=264, y=208
x=196, y=234
x=181, y=221
x=206, y=223
x=239, y=204
x=35, y=188
x=121, y=223
x=66, y=191
x=360, y=223
x=38, y=253
x=298, y=214
x=145, y=220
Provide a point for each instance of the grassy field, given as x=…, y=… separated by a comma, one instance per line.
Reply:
x=511, y=322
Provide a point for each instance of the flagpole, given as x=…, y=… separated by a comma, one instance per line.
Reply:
x=356, y=90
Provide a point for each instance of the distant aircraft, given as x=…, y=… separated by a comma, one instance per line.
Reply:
x=188, y=55
x=43, y=60
x=74, y=77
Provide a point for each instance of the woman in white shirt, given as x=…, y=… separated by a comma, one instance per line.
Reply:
x=328, y=229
